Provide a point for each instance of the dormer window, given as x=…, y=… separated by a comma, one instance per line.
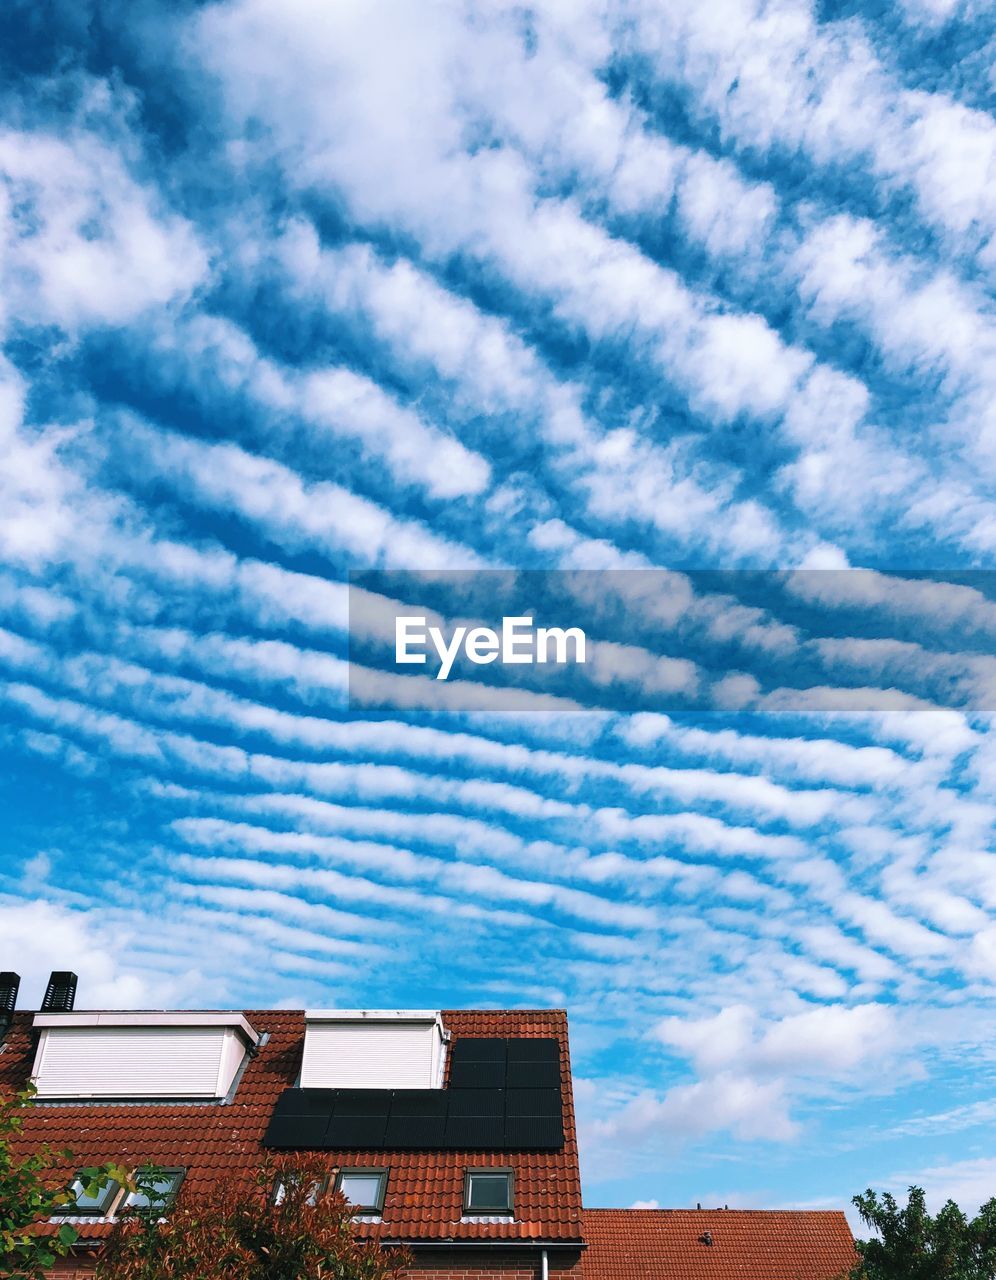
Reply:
x=140, y=1055
x=363, y=1188
x=373, y=1049
x=487, y=1193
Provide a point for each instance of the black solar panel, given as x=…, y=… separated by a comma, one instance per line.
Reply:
x=477, y=1075
x=419, y=1102
x=362, y=1102
x=356, y=1131
x=305, y=1102
x=475, y=1132
x=534, y=1133
x=533, y=1075
x=545, y=1049
x=475, y=1112
x=479, y=1049
x=297, y=1131
x=532, y=1102
x=414, y=1133
x=476, y=1102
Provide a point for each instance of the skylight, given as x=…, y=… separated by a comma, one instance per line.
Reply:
x=488, y=1191
x=363, y=1188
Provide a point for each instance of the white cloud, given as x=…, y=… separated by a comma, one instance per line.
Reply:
x=828, y=1040
x=291, y=511
x=969, y=1183
x=780, y=77
x=84, y=243
x=748, y=1109
x=335, y=403
x=36, y=488
x=40, y=936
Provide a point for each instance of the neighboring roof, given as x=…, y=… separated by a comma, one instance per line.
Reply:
x=747, y=1244
x=217, y=1142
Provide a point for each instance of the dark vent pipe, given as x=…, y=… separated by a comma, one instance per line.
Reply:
x=60, y=994
x=9, y=984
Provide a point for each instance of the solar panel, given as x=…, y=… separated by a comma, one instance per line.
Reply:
x=475, y=1132
x=532, y=1102
x=533, y=1075
x=475, y=1112
x=413, y=1133
x=534, y=1133
x=419, y=1102
x=479, y=1049
x=297, y=1131
x=477, y=1075
x=356, y=1131
x=305, y=1102
x=476, y=1102
x=362, y=1102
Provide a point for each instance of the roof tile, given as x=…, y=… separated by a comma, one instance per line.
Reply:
x=217, y=1142
x=747, y=1244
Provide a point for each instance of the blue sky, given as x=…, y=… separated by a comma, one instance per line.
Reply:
x=293, y=290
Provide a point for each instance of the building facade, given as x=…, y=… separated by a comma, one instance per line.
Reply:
x=452, y=1132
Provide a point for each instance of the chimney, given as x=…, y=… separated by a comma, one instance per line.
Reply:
x=9, y=983
x=60, y=994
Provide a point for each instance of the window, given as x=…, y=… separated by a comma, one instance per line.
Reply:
x=91, y=1197
x=487, y=1191
x=363, y=1188
x=318, y=1189
x=155, y=1193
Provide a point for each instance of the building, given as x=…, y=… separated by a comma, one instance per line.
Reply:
x=451, y=1131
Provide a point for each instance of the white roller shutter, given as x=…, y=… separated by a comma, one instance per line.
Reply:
x=107, y=1061
x=371, y=1054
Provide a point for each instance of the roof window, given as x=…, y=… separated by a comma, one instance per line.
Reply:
x=156, y=1190
x=487, y=1192
x=363, y=1188
x=91, y=1196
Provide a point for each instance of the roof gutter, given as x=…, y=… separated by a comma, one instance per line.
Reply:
x=544, y=1245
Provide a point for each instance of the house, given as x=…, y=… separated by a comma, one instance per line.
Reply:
x=451, y=1131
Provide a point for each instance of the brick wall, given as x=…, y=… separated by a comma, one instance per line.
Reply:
x=490, y=1264
x=73, y=1269
x=430, y=1264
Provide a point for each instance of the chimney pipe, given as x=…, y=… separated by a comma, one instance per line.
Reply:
x=60, y=994
x=9, y=984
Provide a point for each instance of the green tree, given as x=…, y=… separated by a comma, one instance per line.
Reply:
x=911, y=1244
x=31, y=1191
x=248, y=1230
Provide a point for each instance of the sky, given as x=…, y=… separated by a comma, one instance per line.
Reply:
x=620, y=292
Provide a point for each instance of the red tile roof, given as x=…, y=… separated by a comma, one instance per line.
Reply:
x=216, y=1141
x=747, y=1244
